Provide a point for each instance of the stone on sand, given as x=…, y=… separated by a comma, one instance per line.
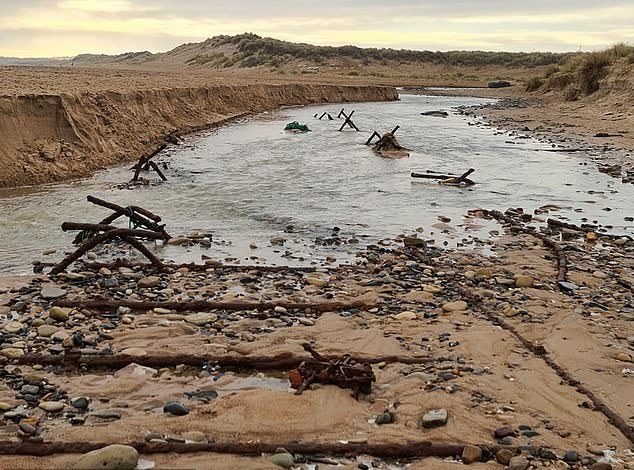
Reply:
x=52, y=292
x=283, y=460
x=457, y=306
x=518, y=463
x=524, y=281
x=471, y=454
x=113, y=457
x=435, y=418
x=149, y=282
x=58, y=314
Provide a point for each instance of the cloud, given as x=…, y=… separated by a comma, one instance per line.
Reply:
x=35, y=28
x=97, y=5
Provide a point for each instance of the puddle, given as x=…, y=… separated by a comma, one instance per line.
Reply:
x=251, y=181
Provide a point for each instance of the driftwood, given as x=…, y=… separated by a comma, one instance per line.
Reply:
x=442, y=114
x=376, y=134
x=447, y=179
x=138, y=217
x=348, y=121
x=330, y=118
x=463, y=177
x=460, y=180
x=125, y=263
x=558, y=224
x=204, y=305
x=407, y=449
x=573, y=150
x=110, y=232
x=145, y=160
x=283, y=361
x=344, y=372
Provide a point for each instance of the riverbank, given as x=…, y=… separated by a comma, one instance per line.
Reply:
x=519, y=366
x=599, y=126
x=54, y=135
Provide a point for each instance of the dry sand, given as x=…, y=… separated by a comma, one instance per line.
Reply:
x=66, y=123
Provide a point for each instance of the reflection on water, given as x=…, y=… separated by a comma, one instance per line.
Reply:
x=251, y=181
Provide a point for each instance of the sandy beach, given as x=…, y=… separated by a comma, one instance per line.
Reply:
x=517, y=352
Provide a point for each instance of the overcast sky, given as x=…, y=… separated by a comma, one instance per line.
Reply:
x=45, y=28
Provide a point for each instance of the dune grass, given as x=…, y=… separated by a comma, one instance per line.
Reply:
x=581, y=75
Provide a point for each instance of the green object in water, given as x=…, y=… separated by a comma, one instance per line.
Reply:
x=296, y=126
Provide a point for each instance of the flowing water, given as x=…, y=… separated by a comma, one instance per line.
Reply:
x=250, y=181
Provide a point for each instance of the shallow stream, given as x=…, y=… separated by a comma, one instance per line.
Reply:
x=250, y=181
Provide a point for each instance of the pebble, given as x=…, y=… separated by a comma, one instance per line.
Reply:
x=504, y=431
x=623, y=357
x=414, y=242
x=457, y=306
x=524, y=281
x=283, y=460
x=5, y=406
x=148, y=282
x=58, y=314
x=107, y=414
x=277, y=240
x=384, y=418
x=195, y=436
x=435, y=418
x=484, y=273
x=601, y=466
x=315, y=281
x=162, y=311
x=504, y=456
x=202, y=318
x=13, y=327
x=405, y=316
x=471, y=454
x=432, y=289
x=518, y=463
x=52, y=406
x=47, y=331
x=81, y=403
x=26, y=428
x=12, y=353
x=599, y=275
x=175, y=408
x=114, y=457
x=52, y=292
x=134, y=352
x=178, y=241
x=30, y=389
x=596, y=450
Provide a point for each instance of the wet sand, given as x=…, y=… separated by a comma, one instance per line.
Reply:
x=481, y=373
